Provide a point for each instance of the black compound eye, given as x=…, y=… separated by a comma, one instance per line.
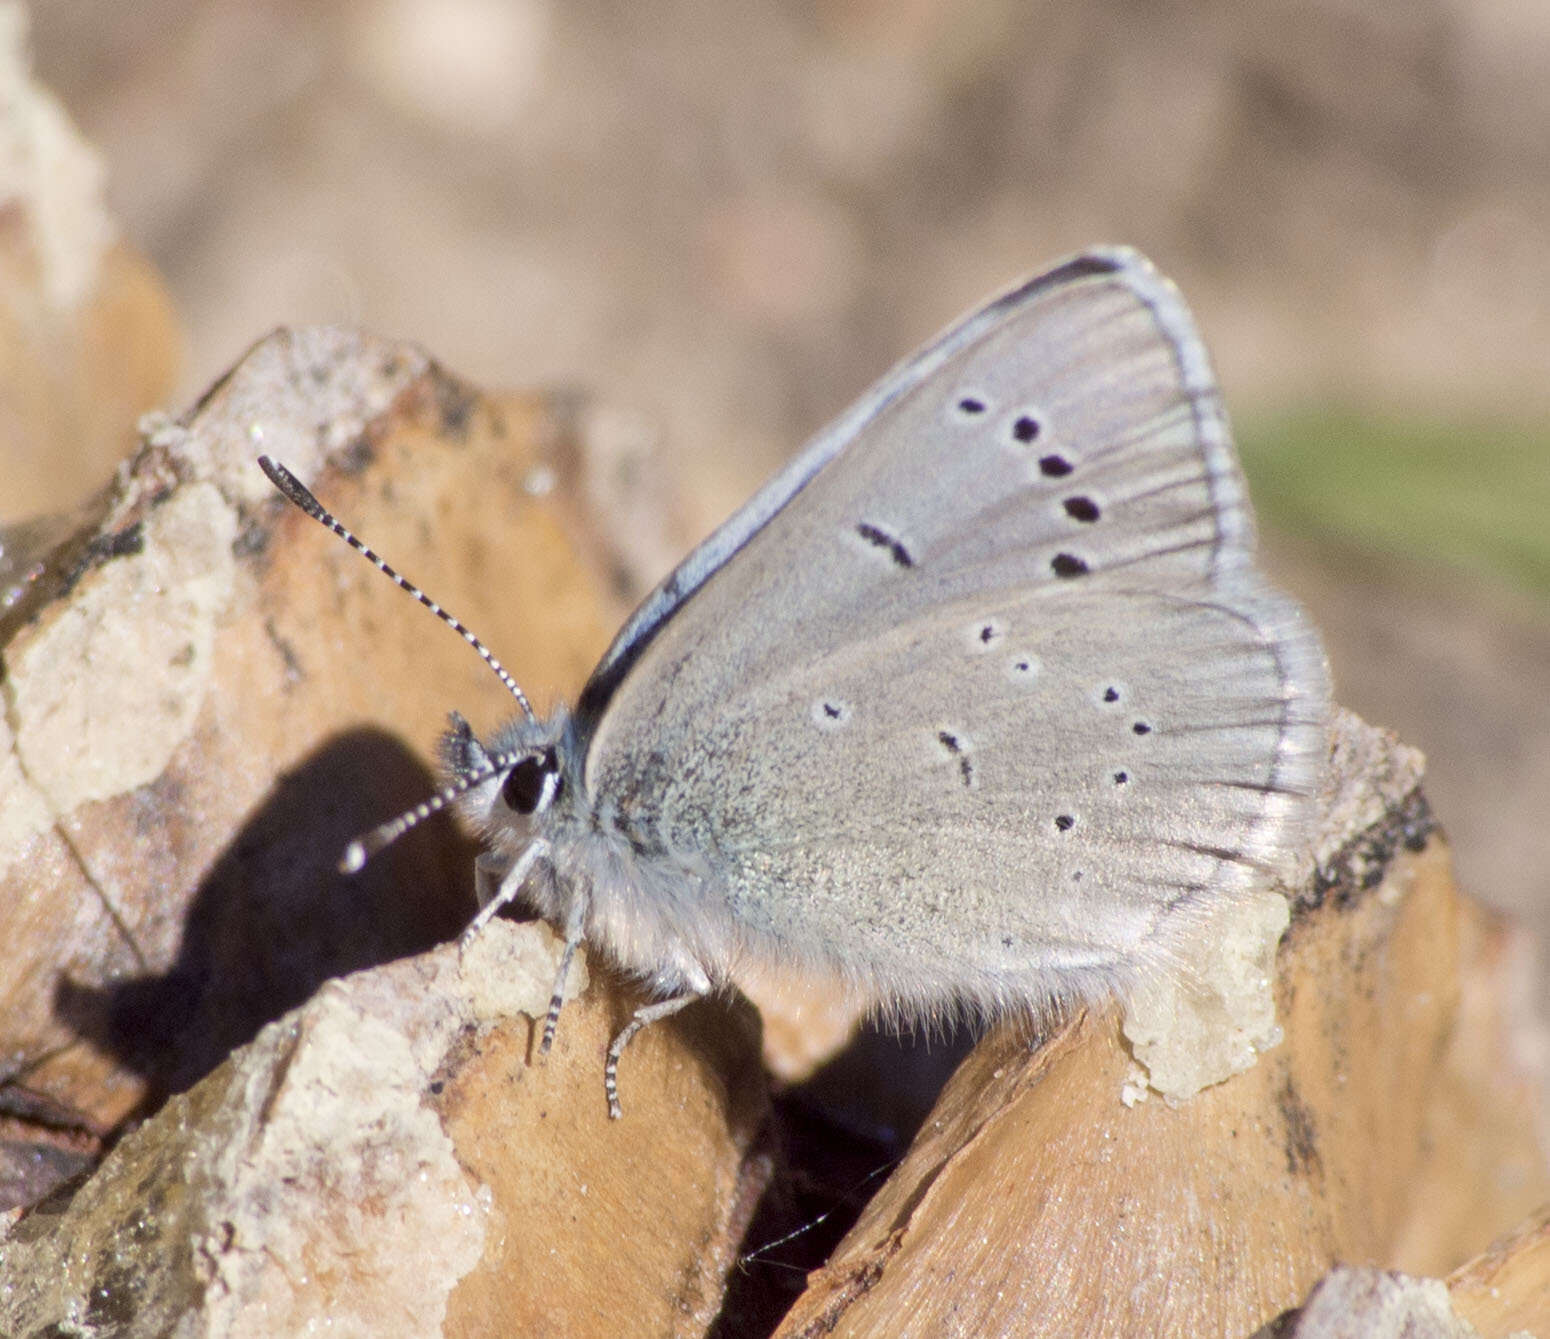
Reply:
x=531, y=782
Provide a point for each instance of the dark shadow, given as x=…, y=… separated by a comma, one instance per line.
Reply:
x=275, y=919
x=884, y=1084
x=839, y=1136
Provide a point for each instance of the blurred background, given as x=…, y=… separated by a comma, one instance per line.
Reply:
x=724, y=218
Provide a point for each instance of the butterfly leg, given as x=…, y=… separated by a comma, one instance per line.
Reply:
x=647, y=1013
x=574, y=937
x=510, y=886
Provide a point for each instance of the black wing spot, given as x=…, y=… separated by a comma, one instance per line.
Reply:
x=1025, y=429
x=985, y=635
x=1111, y=694
x=830, y=713
x=954, y=745
x=880, y=538
x=1068, y=565
x=1141, y=728
x=1120, y=778
x=1082, y=509
x=1054, y=467
x=971, y=406
x=1064, y=822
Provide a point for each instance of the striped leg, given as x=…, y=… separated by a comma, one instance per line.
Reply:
x=647, y=1013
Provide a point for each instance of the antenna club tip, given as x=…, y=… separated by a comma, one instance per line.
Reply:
x=354, y=858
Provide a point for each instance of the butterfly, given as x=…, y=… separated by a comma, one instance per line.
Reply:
x=981, y=704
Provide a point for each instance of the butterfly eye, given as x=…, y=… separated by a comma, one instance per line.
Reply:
x=532, y=783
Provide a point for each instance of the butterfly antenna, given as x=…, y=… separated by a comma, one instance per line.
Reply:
x=359, y=851
x=297, y=493
x=754, y=1256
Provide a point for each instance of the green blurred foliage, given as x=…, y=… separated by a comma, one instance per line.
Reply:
x=1475, y=495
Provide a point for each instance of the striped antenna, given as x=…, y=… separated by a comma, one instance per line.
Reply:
x=296, y=492
x=359, y=851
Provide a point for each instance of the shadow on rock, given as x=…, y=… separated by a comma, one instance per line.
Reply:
x=275, y=918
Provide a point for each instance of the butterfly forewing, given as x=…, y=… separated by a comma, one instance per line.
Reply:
x=994, y=690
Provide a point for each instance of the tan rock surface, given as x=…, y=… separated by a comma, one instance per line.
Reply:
x=212, y=696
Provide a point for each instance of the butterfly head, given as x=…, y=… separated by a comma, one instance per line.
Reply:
x=509, y=784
